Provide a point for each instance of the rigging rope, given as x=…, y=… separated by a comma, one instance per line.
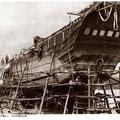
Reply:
x=115, y=23
x=108, y=16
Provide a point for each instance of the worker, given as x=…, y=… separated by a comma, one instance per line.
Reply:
x=7, y=59
x=99, y=65
x=38, y=44
x=40, y=52
x=2, y=62
x=36, y=40
x=34, y=49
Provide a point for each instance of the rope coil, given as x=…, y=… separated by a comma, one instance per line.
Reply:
x=108, y=15
x=115, y=15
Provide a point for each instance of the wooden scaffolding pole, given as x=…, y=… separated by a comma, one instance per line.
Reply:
x=66, y=102
x=89, y=91
x=111, y=88
x=45, y=89
x=69, y=56
x=19, y=83
x=69, y=52
x=43, y=97
x=106, y=99
x=119, y=82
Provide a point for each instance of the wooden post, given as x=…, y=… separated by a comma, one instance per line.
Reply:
x=19, y=83
x=45, y=89
x=119, y=81
x=106, y=99
x=27, y=69
x=76, y=104
x=113, y=95
x=17, y=71
x=69, y=54
x=66, y=102
x=89, y=106
x=21, y=65
x=43, y=97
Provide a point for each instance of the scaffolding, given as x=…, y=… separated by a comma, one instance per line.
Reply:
x=66, y=95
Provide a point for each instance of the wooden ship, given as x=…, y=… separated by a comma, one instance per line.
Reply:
x=60, y=73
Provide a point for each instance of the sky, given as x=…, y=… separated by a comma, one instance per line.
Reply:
x=21, y=21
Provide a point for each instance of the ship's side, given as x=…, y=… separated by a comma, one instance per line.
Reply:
x=53, y=48
x=66, y=55
x=84, y=40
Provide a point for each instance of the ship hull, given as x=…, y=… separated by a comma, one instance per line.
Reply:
x=76, y=47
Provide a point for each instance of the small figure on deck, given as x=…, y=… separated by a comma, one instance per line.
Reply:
x=38, y=44
x=102, y=76
x=99, y=65
x=6, y=59
x=36, y=40
x=2, y=62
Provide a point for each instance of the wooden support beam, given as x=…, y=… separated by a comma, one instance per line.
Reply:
x=111, y=88
x=19, y=83
x=103, y=110
x=106, y=99
x=66, y=102
x=108, y=6
x=89, y=91
x=119, y=82
x=22, y=99
x=43, y=97
x=46, y=85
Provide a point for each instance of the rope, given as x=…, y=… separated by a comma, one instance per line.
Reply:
x=107, y=15
x=104, y=6
x=115, y=23
x=100, y=60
